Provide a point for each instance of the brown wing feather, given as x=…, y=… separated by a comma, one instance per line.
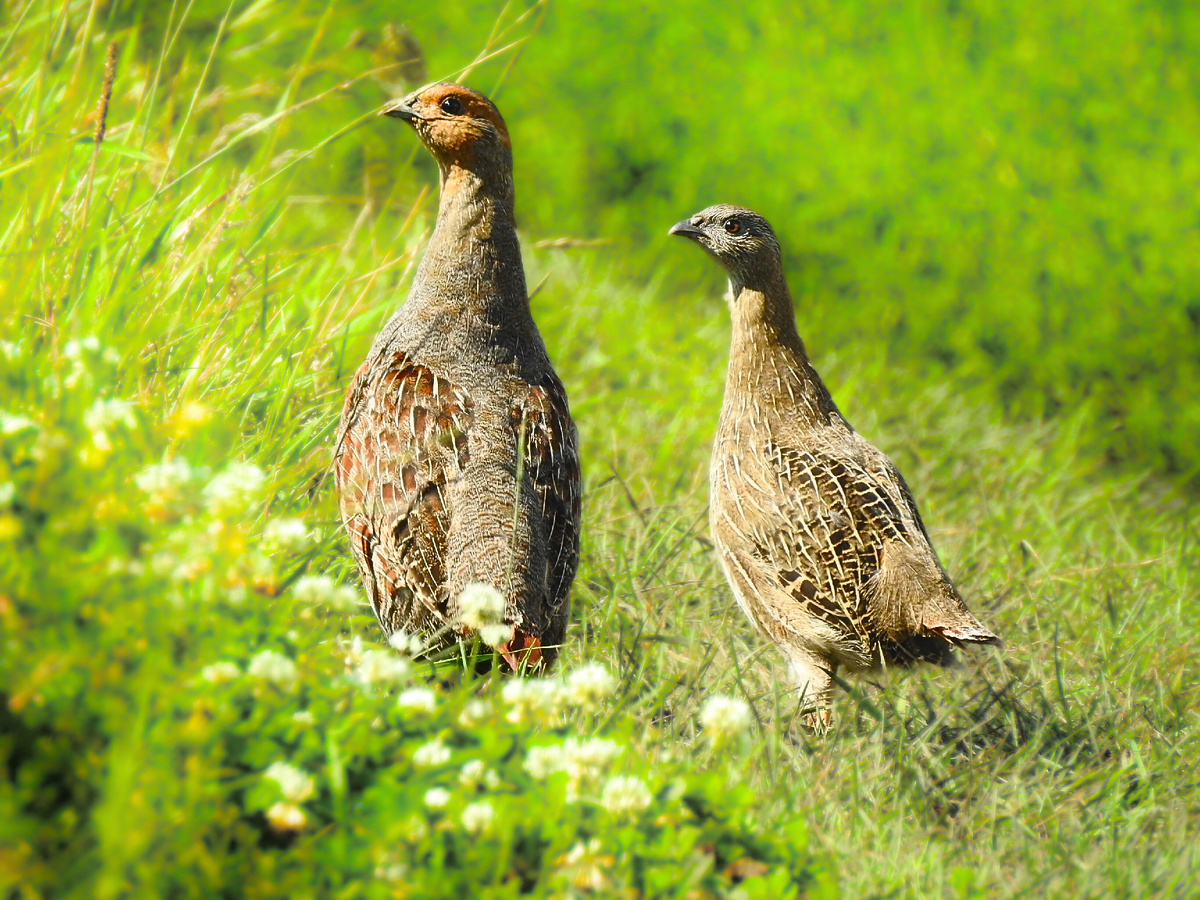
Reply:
x=402, y=441
x=552, y=465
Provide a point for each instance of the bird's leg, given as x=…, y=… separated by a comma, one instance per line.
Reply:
x=812, y=679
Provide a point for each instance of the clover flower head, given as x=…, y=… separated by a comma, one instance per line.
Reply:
x=726, y=717
x=474, y=712
x=543, y=761
x=272, y=666
x=480, y=605
x=625, y=795
x=408, y=644
x=382, y=667
x=588, y=685
x=284, y=816
x=417, y=699
x=220, y=672
x=295, y=784
x=435, y=753
x=478, y=816
x=290, y=535
x=437, y=798
x=235, y=489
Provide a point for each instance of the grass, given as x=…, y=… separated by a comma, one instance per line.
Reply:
x=199, y=286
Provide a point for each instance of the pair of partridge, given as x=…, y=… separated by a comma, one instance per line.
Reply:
x=455, y=460
x=816, y=530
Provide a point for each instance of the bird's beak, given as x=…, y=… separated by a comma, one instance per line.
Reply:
x=400, y=109
x=686, y=229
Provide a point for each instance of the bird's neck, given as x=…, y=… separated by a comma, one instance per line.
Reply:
x=768, y=363
x=472, y=265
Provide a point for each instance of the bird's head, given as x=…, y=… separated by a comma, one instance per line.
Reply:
x=739, y=239
x=458, y=125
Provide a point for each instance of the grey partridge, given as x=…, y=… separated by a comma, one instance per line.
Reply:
x=816, y=530
x=456, y=460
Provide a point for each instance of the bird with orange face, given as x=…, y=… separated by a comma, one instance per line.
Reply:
x=456, y=461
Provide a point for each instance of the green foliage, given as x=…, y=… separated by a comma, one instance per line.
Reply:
x=184, y=303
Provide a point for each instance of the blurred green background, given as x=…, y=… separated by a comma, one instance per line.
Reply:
x=1003, y=195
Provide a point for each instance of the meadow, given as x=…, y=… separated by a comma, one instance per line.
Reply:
x=990, y=225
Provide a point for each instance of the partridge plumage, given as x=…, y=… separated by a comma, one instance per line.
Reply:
x=816, y=530
x=456, y=460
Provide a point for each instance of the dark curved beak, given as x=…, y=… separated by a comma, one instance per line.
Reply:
x=400, y=109
x=686, y=229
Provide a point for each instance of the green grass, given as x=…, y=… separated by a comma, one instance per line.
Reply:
x=232, y=271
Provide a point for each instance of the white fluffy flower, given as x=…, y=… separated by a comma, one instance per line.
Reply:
x=480, y=605
x=589, y=755
x=542, y=762
x=235, y=489
x=625, y=794
x=406, y=643
x=317, y=589
x=382, y=667
x=274, y=667
x=220, y=672
x=295, y=784
x=435, y=753
x=304, y=717
x=539, y=699
x=417, y=699
x=477, y=817
x=286, y=817
x=588, y=685
x=495, y=635
x=165, y=482
x=474, y=712
x=290, y=535
x=437, y=798
x=476, y=773
x=725, y=717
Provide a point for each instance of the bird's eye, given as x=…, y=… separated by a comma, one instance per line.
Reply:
x=732, y=226
x=451, y=105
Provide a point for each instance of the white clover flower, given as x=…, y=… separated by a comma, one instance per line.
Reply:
x=392, y=872
x=286, y=817
x=354, y=652
x=220, y=672
x=317, y=589
x=588, y=685
x=165, y=482
x=539, y=699
x=295, y=784
x=623, y=795
x=589, y=755
x=474, y=712
x=406, y=643
x=290, y=535
x=587, y=862
x=417, y=699
x=235, y=489
x=437, y=798
x=542, y=762
x=726, y=717
x=480, y=605
x=495, y=635
x=304, y=717
x=477, y=817
x=476, y=773
x=382, y=667
x=269, y=665
x=435, y=753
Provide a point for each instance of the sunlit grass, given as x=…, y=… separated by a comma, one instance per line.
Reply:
x=195, y=291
